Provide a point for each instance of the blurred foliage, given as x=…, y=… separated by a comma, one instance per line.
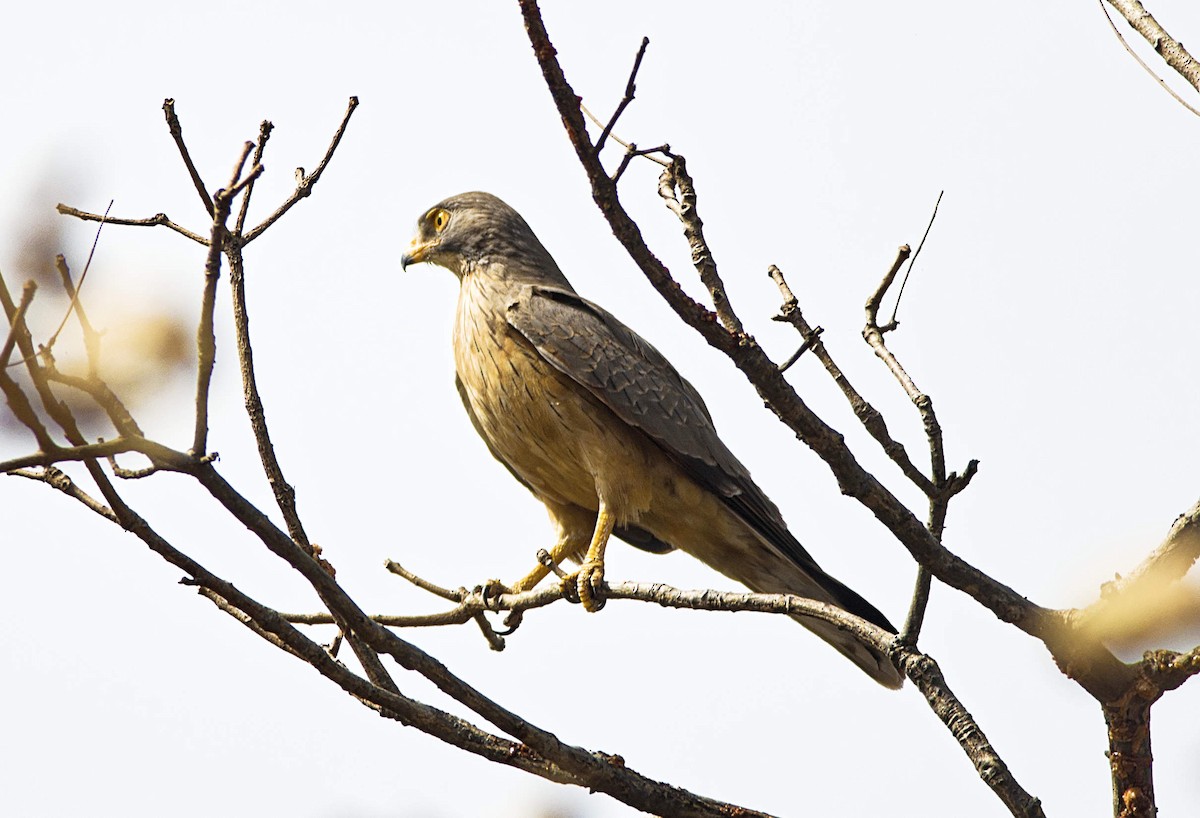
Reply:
x=1150, y=614
x=144, y=344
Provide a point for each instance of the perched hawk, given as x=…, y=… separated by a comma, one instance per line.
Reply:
x=601, y=428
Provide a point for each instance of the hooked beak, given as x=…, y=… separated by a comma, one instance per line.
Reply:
x=416, y=252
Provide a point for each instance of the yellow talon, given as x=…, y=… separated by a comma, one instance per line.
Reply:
x=588, y=581
x=590, y=576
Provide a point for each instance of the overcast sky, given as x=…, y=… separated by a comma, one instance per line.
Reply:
x=1052, y=318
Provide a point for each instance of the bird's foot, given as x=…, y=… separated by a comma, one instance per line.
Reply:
x=491, y=591
x=511, y=623
x=588, y=584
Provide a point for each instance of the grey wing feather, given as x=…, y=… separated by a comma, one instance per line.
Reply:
x=635, y=381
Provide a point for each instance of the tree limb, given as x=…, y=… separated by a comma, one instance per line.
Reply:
x=1167, y=47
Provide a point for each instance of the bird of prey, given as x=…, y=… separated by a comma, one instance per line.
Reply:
x=601, y=427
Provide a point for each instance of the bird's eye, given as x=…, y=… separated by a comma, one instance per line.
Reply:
x=440, y=219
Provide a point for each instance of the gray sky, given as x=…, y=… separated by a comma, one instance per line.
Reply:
x=1051, y=318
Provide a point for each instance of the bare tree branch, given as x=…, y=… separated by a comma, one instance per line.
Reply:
x=675, y=177
x=870, y=417
x=630, y=88
x=56, y=454
x=921, y=668
x=264, y=133
x=305, y=183
x=892, y=323
x=157, y=220
x=927, y=676
x=631, y=150
x=91, y=338
x=285, y=494
x=73, y=293
x=206, y=340
x=1167, y=47
x=18, y=402
x=1173, y=558
x=176, y=129
x=17, y=322
x=56, y=479
x=103, y=396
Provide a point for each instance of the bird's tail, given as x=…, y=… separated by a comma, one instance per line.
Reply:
x=786, y=577
x=874, y=662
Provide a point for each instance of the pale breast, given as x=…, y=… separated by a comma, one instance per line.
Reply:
x=562, y=441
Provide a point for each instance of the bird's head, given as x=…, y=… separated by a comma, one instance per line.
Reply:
x=474, y=232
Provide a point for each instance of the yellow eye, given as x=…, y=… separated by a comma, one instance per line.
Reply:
x=440, y=219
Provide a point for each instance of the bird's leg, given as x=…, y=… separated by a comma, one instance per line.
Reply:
x=591, y=573
x=561, y=550
x=568, y=545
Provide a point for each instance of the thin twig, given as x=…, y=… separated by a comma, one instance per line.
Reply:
x=454, y=616
x=913, y=261
x=470, y=604
x=52, y=453
x=59, y=480
x=942, y=489
x=939, y=506
x=873, y=334
x=871, y=418
x=91, y=338
x=305, y=183
x=495, y=640
x=285, y=494
x=72, y=290
x=246, y=181
x=630, y=87
x=264, y=133
x=17, y=322
x=206, y=339
x=629, y=146
x=911, y=632
x=903, y=253
x=176, y=129
x=804, y=347
x=26, y=415
x=130, y=474
x=18, y=401
x=424, y=584
x=632, y=151
x=246, y=619
x=544, y=557
x=152, y=221
x=100, y=392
